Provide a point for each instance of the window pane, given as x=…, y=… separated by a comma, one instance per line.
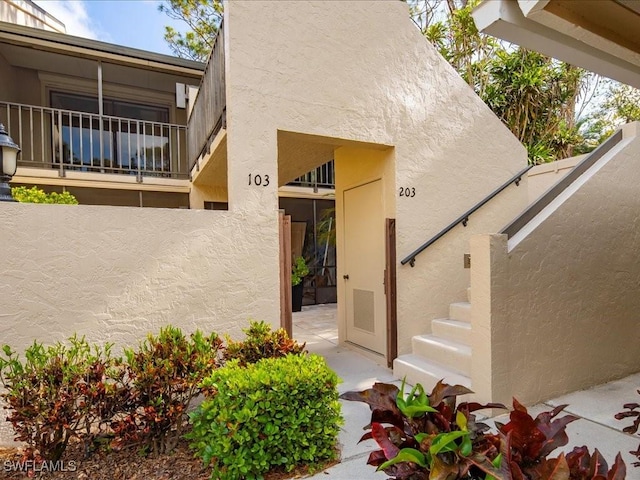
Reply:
x=78, y=103
x=132, y=142
x=140, y=112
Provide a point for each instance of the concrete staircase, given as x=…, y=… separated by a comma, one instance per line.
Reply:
x=445, y=353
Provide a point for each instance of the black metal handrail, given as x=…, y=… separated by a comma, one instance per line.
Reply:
x=464, y=218
x=536, y=207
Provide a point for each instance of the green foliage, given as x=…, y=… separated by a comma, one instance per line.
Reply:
x=326, y=227
x=533, y=95
x=203, y=17
x=623, y=101
x=415, y=404
x=80, y=390
x=36, y=195
x=261, y=342
x=299, y=270
x=621, y=105
x=165, y=372
x=439, y=439
x=535, y=98
x=276, y=413
x=58, y=392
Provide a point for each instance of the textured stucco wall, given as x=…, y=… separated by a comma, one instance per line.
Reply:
x=361, y=71
x=542, y=177
x=116, y=273
x=561, y=306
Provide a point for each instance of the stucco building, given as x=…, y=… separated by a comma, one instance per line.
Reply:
x=289, y=87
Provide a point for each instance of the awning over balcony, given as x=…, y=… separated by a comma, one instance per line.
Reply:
x=120, y=113
x=602, y=36
x=71, y=50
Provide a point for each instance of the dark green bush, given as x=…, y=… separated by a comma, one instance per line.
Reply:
x=261, y=342
x=276, y=413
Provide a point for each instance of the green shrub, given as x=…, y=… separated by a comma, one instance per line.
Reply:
x=36, y=195
x=432, y=436
x=80, y=390
x=261, y=342
x=58, y=392
x=276, y=413
x=165, y=373
x=299, y=270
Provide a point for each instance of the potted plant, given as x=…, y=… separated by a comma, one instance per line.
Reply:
x=299, y=270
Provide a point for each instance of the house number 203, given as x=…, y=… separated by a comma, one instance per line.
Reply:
x=258, y=180
x=407, y=191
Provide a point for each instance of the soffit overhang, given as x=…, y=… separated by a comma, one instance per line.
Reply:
x=602, y=36
x=70, y=46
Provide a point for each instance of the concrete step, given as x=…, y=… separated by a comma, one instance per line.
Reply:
x=452, y=355
x=420, y=370
x=452, y=330
x=460, y=311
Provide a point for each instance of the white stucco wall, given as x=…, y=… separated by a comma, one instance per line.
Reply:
x=116, y=273
x=558, y=311
x=361, y=71
x=542, y=177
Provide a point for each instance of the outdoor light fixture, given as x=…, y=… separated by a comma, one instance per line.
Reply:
x=8, y=164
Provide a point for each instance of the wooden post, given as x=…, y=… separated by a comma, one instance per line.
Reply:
x=286, y=316
x=391, y=291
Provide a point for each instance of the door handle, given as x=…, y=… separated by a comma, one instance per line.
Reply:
x=346, y=277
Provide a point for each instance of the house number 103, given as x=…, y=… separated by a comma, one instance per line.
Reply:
x=259, y=180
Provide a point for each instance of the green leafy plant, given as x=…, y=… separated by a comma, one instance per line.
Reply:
x=36, y=195
x=276, y=413
x=164, y=373
x=261, y=342
x=56, y=393
x=299, y=270
x=432, y=437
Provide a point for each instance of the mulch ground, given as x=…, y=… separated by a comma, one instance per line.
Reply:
x=126, y=464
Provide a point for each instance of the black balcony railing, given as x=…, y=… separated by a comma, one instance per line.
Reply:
x=70, y=140
x=321, y=177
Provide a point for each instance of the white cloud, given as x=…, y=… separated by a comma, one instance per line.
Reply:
x=75, y=18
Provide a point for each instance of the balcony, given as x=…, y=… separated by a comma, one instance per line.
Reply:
x=321, y=177
x=67, y=140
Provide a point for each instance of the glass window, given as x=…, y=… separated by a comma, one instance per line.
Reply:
x=136, y=141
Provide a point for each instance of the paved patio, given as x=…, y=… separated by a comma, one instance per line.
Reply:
x=596, y=407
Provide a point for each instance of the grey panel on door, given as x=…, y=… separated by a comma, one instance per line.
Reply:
x=363, y=310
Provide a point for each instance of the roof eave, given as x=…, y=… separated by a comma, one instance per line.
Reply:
x=504, y=19
x=96, y=49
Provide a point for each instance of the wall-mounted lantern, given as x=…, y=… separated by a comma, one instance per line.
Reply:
x=8, y=164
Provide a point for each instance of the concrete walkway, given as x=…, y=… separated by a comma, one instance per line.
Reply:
x=596, y=428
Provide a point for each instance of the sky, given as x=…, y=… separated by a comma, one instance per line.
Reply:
x=131, y=23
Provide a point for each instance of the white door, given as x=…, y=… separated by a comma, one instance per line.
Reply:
x=364, y=266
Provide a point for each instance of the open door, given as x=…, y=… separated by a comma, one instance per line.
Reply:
x=365, y=305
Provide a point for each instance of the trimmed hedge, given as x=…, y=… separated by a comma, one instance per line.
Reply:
x=278, y=412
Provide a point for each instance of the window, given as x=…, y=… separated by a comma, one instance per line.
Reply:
x=130, y=137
